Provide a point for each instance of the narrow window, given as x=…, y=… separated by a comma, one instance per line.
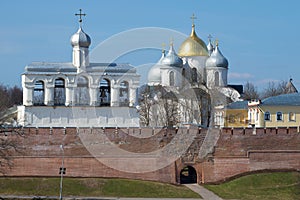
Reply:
x=194, y=75
x=217, y=77
x=279, y=116
x=172, y=78
x=183, y=77
x=267, y=116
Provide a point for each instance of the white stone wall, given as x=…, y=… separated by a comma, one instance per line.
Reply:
x=48, y=116
x=165, y=76
x=197, y=62
x=210, y=72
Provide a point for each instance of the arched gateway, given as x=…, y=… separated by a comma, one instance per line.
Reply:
x=188, y=175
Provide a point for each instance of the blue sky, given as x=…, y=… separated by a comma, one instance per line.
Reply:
x=260, y=38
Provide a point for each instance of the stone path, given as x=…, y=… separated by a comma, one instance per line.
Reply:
x=205, y=193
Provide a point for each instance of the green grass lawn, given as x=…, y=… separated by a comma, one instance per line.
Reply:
x=92, y=187
x=264, y=186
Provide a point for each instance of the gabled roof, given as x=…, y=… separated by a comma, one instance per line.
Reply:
x=290, y=87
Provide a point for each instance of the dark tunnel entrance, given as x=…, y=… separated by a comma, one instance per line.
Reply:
x=188, y=175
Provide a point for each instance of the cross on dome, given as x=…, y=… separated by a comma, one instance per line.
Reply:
x=193, y=17
x=171, y=41
x=80, y=14
x=163, y=45
x=217, y=42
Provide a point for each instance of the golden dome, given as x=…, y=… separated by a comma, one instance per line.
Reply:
x=193, y=46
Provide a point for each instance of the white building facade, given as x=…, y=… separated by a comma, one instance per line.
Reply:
x=79, y=93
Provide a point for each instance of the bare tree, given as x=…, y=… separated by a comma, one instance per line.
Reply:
x=168, y=106
x=144, y=108
x=9, y=137
x=9, y=96
x=195, y=106
x=169, y=111
x=158, y=107
x=250, y=92
x=274, y=89
x=4, y=100
x=9, y=146
x=15, y=96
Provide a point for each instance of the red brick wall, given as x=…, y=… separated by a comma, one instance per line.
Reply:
x=240, y=151
x=41, y=154
x=237, y=151
x=82, y=167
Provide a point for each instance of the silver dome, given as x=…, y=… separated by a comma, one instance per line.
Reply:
x=80, y=38
x=210, y=47
x=172, y=59
x=217, y=59
x=154, y=77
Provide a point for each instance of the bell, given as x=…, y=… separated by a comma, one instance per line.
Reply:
x=103, y=94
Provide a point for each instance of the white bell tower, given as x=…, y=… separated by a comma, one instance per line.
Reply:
x=80, y=42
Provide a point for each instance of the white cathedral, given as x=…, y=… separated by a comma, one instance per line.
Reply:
x=197, y=77
x=84, y=94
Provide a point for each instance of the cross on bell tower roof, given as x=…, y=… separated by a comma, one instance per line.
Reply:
x=80, y=14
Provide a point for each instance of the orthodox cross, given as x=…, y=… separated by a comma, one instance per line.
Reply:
x=217, y=42
x=171, y=41
x=193, y=17
x=209, y=37
x=163, y=45
x=80, y=15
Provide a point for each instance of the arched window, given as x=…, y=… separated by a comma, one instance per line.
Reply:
x=279, y=116
x=59, y=92
x=292, y=116
x=183, y=77
x=124, y=96
x=267, y=116
x=217, y=79
x=194, y=75
x=38, y=93
x=104, y=92
x=172, y=78
x=82, y=94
